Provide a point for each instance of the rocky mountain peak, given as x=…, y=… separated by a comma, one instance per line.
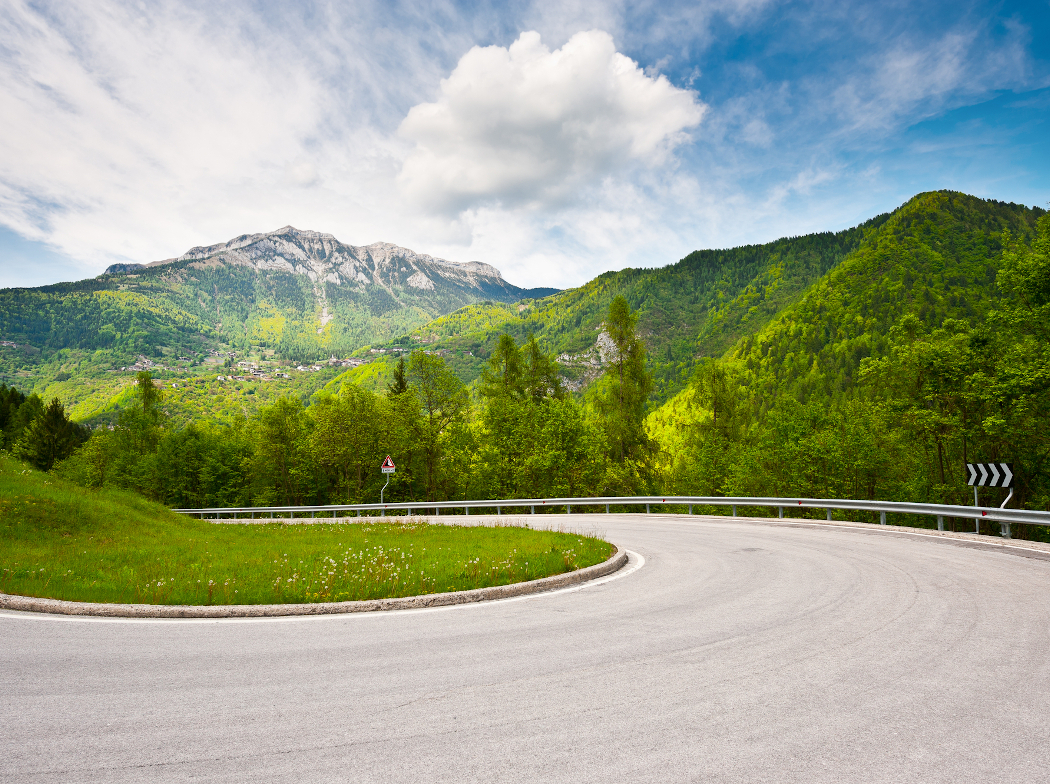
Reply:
x=319, y=255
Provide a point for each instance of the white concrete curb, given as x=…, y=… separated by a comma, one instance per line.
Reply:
x=57, y=606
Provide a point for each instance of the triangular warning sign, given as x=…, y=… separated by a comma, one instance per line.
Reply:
x=388, y=463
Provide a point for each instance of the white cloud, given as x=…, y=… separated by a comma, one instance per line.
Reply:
x=523, y=126
x=910, y=80
x=116, y=123
x=134, y=131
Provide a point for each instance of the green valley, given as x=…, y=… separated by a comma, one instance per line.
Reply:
x=869, y=363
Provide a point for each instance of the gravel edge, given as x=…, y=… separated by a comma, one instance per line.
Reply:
x=60, y=607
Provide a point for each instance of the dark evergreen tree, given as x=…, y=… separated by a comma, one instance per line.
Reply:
x=623, y=399
x=400, y=383
x=50, y=437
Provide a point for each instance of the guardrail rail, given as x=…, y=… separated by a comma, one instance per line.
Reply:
x=1005, y=517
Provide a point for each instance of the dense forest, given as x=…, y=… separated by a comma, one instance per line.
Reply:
x=695, y=308
x=866, y=364
x=520, y=434
x=925, y=349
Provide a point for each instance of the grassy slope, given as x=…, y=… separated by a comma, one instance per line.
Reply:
x=61, y=541
x=935, y=257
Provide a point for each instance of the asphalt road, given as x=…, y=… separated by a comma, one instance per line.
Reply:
x=736, y=652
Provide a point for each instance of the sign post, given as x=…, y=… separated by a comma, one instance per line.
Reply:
x=990, y=475
x=387, y=468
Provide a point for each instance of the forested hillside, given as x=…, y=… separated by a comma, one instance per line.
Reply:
x=695, y=308
x=870, y=363
x=921, y=350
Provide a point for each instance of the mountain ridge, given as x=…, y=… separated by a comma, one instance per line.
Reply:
x=298, y=296
x=379, y=252
x=303, y=294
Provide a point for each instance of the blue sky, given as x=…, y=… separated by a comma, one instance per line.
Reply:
x=554, y=140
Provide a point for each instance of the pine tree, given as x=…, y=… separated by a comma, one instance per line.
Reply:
x=50, y=437
x=627, y=387
x=400, y=384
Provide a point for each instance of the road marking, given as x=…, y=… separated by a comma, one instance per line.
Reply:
x=635, y=561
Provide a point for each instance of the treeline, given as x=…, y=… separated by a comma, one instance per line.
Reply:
x=941, y=248
x=713, y=295
x=520, y=436
x=124, y=322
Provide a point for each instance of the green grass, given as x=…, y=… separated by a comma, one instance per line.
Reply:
x=61, y=541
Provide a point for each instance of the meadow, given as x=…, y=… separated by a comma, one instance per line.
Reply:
x=62, y=541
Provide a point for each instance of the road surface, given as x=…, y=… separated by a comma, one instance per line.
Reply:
x=725, y=651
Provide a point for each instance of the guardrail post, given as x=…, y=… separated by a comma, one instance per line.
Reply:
x=499, y=510
x=940, y=522
x=647, y=508
x=568, y=509
x=1004, y=529
x=976, y=520
x=533, y=507
x=882, y=518
x=606, y=509
x=780, y=509
x=465, y=512
x=734, y=510
x=690, y=508
x=829, y=513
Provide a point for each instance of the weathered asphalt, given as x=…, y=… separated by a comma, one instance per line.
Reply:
x=738, y=652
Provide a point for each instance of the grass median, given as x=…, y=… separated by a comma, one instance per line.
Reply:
x=62, y=541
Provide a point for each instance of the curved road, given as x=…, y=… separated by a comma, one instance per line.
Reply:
x=739, y=651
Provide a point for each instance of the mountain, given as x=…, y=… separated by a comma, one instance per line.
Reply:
x=932, y=260
x=798, y=314
x=945, y=247
x=303, y=294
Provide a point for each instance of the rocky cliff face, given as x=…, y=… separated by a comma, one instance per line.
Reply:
x=322, y=258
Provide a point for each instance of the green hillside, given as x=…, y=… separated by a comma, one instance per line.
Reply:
x=894, y=368
x=290, y=297
x=695, y=308
x=935, y=258
x=872, y=363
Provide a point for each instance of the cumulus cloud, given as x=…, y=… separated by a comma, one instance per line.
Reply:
x=522, y=126
x=134, y=131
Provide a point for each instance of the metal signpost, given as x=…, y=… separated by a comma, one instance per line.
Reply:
x=991, y=475
x=387, y=468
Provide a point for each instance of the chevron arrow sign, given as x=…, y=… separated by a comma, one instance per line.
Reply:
x=990, y=474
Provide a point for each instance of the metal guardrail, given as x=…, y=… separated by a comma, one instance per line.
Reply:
x=1005, y=517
